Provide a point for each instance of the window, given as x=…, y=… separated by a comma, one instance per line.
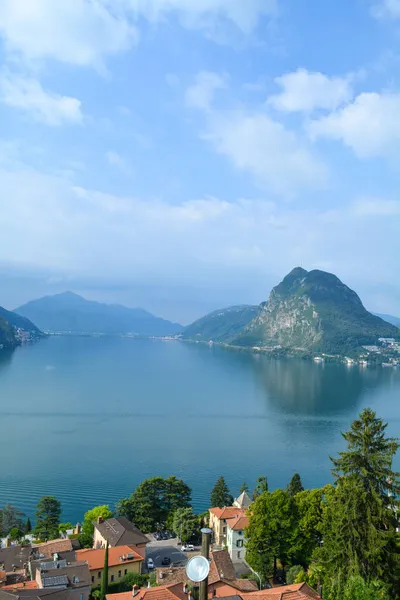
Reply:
x=92, y=578
x=240, y=532
x=119, y=573
x=238, y=554
x=239, y=543
x=126, y=571
x=112, y=577
x=81, y=597
x=99, y=575
x=224, y=530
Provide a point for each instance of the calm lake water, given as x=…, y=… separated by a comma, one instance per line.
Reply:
x=87, y=419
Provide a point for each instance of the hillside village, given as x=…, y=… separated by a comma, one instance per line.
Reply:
x=60, y=570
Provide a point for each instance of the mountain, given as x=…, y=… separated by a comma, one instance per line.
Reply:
x=389, y=319
x=221, y=325
x=68, y=312
x=314, y=310
x=8, y=338
x=19, y=322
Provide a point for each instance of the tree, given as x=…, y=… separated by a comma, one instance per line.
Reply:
x=104, y=578
x=15, y=534
x=261, y=487
x=295, y=486
x=91, y=517
x=271, y=533
x=355, y=588
x=220, y=495
x=11, y=517
x=185, y=523
x=154, y=501
x=28, y=526
x=63, y=527
x=48, y=513
x=295, y=574
x=132, y=579
x=369, y=456
x=244, y=487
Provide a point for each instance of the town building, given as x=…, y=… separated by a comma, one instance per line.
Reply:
x=121, y=561
x=235, y=540
x=119, y=532
x=218, y=523
x=243, y=501
x=14, y=562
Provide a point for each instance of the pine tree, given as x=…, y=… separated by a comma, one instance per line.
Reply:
x=295, y=486
x=104, y=579
x=220, y=495
x=28, y=526
x=244, y=487
x=369, y=456
x=261, y=487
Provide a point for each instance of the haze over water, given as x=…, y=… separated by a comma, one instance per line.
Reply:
x=87, y=419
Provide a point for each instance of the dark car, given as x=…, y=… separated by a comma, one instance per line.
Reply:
x=166, y=561
x=164, y=535
x=157, y=536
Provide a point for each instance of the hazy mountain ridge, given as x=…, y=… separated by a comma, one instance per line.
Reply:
x=389, y=319
x=221, y=325
x=69, y=312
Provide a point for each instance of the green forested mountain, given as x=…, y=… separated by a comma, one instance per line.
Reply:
x=314, y=310
x=7, y=335
x=221, y=325
x=19, y=322
x=69, y=312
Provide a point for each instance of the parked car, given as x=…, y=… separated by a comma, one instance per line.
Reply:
x=157, y=536
x=166, y=561
x=187, y=548
x=150, y=563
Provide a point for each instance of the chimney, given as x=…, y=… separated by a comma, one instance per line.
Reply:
x=8, y=542
x=189, y=595
x=135, y=590
x=185, y=588
x=148, y=584
x=100, y=519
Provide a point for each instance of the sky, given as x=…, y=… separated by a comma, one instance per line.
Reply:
x=184, y=155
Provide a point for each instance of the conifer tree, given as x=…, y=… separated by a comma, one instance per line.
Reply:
x=104, y=579
x=220, y=495
x=244, y=487
x=295, y=486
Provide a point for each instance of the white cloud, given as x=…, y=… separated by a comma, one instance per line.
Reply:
x=278, y=158
x=116, y=160
x=71, y=31
x=386, y=9
x=83, y=32
x=376, y=207
x=201, y=94
x=370, y=125
x=305, y=91
x=26, y=94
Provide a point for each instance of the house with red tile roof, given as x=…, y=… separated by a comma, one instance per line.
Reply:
x=121, y=561
x=235, y=540
x=218, y=522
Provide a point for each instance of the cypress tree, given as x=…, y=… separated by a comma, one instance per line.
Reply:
x=261, y=487
x=244, y=487
x=28, y=526
x=104, y=579
x=220, y=495
x=295, y=486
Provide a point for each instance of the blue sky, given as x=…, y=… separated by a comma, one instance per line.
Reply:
x=184, y=155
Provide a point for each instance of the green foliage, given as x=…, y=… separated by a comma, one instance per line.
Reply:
x=153, y=579
x=295, y=486
x=85, y=540
x=355, y=588
x=261, y=487
x=104, y=575
x=132, y=579
x=220, y=495
x=48, y=513
x=63, y=527
x=310, y=507
x=11, y=517
x=28, y=526
x=90, y=518
x=16, y=534
x=272, y=532
x=154, y=501
x=185, y=523
x=295, y=574
x=221, y=325
x=7, y=335
x=244, y=487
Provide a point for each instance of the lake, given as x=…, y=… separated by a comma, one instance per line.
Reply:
x=87, y=419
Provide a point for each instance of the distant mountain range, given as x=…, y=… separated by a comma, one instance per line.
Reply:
x=312, y=310
x=70, y=313
x=389, y=319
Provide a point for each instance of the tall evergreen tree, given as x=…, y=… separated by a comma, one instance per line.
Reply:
x=244, y=487
x=295, y=486
x=261, y=487
x=48, y=513
x=220, y=495
x=104, y=578
x=28, y=526
x=369, y=456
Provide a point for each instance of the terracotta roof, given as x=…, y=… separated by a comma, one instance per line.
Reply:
x=228, y=512
x=237, y=523
x=161, y=592
x=221, y=566
x=27, y=585
x=295, y=591
x=121, y=532
x=95, y=558
x=50, y=548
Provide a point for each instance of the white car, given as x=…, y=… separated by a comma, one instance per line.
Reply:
x=187, y=548
x=150, y=563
